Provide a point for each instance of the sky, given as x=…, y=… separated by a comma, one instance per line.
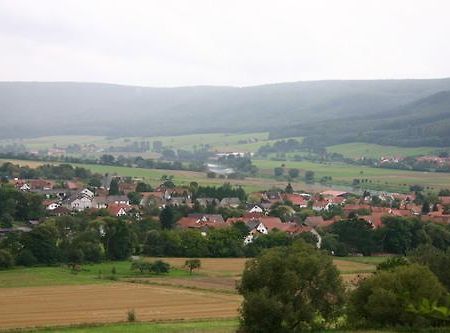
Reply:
x=168, y=43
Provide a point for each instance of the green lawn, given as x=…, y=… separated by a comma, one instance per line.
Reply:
x=214, y=326
x=358, y=150
x=178, y=142
x=343, y=174
x=375, y=260
x=61, y=275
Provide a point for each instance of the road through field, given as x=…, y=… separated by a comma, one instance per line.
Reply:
x=67, y=305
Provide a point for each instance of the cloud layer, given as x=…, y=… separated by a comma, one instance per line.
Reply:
x=222, y=42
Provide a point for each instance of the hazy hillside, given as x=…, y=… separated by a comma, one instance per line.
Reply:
x=425, y=122
x=301, y=108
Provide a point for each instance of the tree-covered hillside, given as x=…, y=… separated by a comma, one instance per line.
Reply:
x=334, y=111
x=425, y=122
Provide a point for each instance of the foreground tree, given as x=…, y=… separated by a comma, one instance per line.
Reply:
x=290, y=289
x=385, y=298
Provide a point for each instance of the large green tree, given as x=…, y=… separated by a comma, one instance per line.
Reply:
x=167, y=218
x=118, y=239
x=384, y=298
x=290, y=289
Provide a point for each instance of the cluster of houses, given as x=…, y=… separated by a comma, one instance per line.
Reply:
x=74, y=197
x=259, y=222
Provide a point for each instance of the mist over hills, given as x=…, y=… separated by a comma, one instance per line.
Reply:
x=401, y=112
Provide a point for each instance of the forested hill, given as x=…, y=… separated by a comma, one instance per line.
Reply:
x=425, y=122
x=340, y=110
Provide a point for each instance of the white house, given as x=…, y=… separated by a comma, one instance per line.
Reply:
x=80, y=203
x=25, y=187
x=52, y=206
x=256, y=209
x=86, y=192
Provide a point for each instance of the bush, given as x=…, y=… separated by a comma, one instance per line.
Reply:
x=384, y=298
x=131, y=316
x=26, y=258
x=6, y=259
x=392, y=263
x=159, y=267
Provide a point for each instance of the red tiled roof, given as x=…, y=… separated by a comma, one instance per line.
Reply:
x=374, y=219
x=296, y=199
x=401, y=212
x=333, y=193
x=114, y=209
x=197, y=223
x=352, y=208
x=318, y=221
x=253, y=215
x=264, y=219
x=445, y=200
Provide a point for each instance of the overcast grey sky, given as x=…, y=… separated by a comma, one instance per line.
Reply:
x=222, y=42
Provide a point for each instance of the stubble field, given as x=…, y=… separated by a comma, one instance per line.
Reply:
x=69, y=305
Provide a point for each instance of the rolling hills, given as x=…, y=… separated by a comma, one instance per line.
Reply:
x=398, y=112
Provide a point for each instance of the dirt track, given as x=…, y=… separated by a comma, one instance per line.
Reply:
x=65, y=305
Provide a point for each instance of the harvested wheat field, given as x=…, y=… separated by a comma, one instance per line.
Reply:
x=66, y=305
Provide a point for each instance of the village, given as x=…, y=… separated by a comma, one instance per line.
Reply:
x=285, y=210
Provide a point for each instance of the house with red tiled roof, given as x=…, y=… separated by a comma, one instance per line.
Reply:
x=40, y=184
x=334, y=193
x=118, y=210
x=375, y=219
x=202, y=221
x=355, y=208
x=320, y=205
x=401, y=212
x=296, y=199
x=318, y=222
x=445, y=200
x=256, y=209
x=73, y=186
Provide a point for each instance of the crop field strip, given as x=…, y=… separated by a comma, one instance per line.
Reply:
x=68, y=305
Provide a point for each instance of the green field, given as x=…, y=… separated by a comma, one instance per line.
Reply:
x=343, y=174
x=358, y=150
x=223, y=140
x=218, y=142
x=214, y=326
x=62, y=275
x=181, y=178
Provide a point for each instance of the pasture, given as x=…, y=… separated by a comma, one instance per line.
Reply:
x=215, y=326
x=368, y=150
x=217, y=141
x=343, y=174
x=181, y=178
